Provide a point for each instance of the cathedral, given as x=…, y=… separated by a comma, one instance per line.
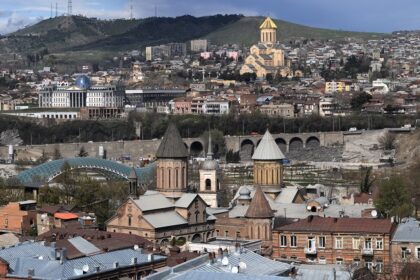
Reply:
x=266, y=57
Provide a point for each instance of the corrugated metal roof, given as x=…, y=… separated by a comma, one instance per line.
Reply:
x=152, y=200
x=268, y=149
x=165, y=219
x=185, y=200
x=287, y=195
x=408, y=231
x=207, y=275
x=84, y=246
x=322, y=272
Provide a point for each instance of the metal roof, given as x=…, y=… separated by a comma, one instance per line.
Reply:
x=172, y=145
x=165, y=219
x=41, y=174
x=84, y=246
x=268, y=149
x=41, y=258
x=287, y=195
x=408, y=231
x=152, y=200
x=185, y=200
x=322, y=272
x=207, y=275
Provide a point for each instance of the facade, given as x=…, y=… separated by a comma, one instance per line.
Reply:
x=151, y=98
x=266, y=57
x=18, y=217
x=199, y=45
x=209, y=178
x=81, y=95
x=159, y=219
x=347, y=241
x=282, y=110
x=216, y=106
x=333, y=86
x=405, y=245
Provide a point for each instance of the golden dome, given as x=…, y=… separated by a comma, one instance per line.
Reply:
x=268, y=24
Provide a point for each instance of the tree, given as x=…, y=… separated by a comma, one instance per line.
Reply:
x=366, y=181
x=387, y=141
x=363, y=273
x=57, y=154
x=82, y=152
x=359, y=99
x=394, y=198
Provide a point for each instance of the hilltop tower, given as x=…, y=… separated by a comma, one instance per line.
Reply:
x=268, y=165
x=172, y=164
x=268, y=31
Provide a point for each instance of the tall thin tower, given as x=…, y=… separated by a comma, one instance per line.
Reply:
x=56, y=9
x=51, y=15
x=69, y=7
x=131, y=9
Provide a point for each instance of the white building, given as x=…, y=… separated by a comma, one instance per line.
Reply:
x=199, y=45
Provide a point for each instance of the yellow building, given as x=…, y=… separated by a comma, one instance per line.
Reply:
x=266, y=57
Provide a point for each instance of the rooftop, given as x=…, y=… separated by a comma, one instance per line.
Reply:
x=172, y=145
x=268, y=149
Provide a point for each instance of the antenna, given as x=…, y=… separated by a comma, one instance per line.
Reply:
x=131, y=9
x=69, y=7
x=156, y=11
x=51, y=15
x=56, y=9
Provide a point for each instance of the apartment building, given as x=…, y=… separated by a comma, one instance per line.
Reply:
x=348, y=241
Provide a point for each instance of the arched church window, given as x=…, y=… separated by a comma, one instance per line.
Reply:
x=208, y=184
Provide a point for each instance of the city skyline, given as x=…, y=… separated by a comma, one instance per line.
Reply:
x=330, y=14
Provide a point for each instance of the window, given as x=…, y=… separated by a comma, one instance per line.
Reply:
x=283, y=240
x=311, y=242
x=129, y=221
x=322, y=242
x=226, y=233
x=356, y=243
x=293, y=241
x=418, y=252
x=339, y=261
x=217, y=232
x=369, y=265
x=238, y=234
x=379, y=244
x=339, y=243
x=379, y=266
x=404, y=252
x=208, y=184
x=356, y=262
x=368, y=243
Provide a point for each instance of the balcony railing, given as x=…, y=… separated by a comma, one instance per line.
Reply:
x=310, y=251
x=367, y=251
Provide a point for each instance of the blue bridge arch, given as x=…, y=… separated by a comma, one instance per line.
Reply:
x=46, y=172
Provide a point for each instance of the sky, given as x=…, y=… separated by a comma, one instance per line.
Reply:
x=353, y=15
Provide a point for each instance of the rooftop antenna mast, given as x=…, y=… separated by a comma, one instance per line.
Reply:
x=131, y=9
x=56, y=9
x=51, y=15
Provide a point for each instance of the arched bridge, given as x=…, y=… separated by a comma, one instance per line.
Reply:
x=44, y=173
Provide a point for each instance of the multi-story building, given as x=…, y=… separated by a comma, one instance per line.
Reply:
x=347, y=241
x=333, y=86
x=282, y=110
x=166, y=51
x=327, y=106
x=151, y=98
x=216, y=106
x=405, y=245
x=18, y=217
x=199, y=45
x=81, y=95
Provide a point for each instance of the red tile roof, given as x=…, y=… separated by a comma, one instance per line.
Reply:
x=65, y=216
x=340, y=225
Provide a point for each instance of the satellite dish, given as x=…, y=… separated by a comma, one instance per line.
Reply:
x=136, y=247
x=225, y=261
x=374, y=213
x=235, y=269
x=242, y=265
x=40, y=258
x=308, y=207
x=85, y=268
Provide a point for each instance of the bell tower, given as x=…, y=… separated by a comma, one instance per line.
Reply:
x=268, y=31
x=209, y=178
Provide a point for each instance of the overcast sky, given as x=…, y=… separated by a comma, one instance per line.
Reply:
x=355, y=15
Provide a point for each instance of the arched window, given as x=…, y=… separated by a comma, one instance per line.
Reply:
x=208, y=184
x=204, y=216
x=129, y=220
x=258, y=232
x=196, y=216
x=169, y=178
x=176, y=177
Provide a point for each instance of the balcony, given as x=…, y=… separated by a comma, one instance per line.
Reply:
x=367, y=251
x=310, y=251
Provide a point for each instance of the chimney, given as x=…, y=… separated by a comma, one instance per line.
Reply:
x=116, y=264
x=134, y=260
x=31, y=273
x=97, y=268
x=63, y=255
x=334, y=274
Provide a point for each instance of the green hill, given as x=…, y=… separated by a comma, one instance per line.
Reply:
x=246, y=32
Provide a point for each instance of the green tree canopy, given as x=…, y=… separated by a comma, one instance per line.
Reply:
x=394, y=198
